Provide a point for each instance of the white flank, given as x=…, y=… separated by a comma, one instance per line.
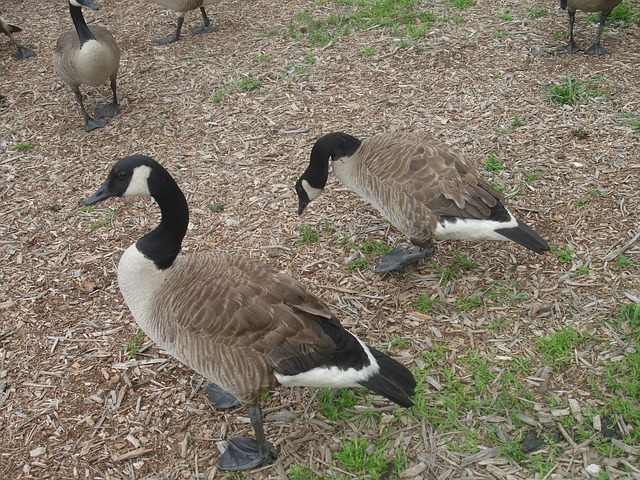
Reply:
x=473, y=229
x=332, y=377
x=311, y=192
x=139, y=182
x=139, y=279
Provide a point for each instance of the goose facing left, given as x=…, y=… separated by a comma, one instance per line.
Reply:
x=88, y=56
x=9, y=30
x=240, y=324
x=423, y=186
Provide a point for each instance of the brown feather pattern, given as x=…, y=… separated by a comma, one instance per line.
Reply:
x=413, y=180
x=237, y=316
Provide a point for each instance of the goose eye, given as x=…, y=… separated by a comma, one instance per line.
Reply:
x=122, y=175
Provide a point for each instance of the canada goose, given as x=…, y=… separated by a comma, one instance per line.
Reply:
x=424, y=187
x=8, y=29
x=241, y=325
x=88, y=56
x=182, y=7
x=605, y=7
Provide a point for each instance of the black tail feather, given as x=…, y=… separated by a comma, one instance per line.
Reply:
x=394, y=381
x=524, y=235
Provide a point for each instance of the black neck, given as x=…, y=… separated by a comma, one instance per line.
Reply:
x=332, y=146
x=163, y=244
x=84, y=34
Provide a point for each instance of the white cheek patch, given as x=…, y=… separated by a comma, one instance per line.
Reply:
x=139, y=182
x=74, y=3
x=311, y=191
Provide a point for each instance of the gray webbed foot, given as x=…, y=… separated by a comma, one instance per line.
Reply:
x=398, y=259
x=201, y=30
x=570, y=48
x=167, y=40
x=24, y=52
x=220, y=398
x=109, y=110
x=243, y=454
x=94, y=123
x=597, y=49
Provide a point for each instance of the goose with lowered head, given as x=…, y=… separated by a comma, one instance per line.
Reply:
x=88, y=56
x=243, y=326
x=424, y=187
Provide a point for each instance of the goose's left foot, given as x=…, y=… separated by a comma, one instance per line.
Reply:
x=109, y=110
x=597, y=49
x=24, y=52
x=201, y=30
x=244, y=453
x=398, y=259
x=220, y=398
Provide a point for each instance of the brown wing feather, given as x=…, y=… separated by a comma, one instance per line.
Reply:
x=240, y=320
x=431, y=172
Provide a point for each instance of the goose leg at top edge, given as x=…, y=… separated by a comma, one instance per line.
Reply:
x=206, y=26
x=572, y=47
x=596, y=48
x=176, y=36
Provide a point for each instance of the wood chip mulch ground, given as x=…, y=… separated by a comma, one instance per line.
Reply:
x=72, y=402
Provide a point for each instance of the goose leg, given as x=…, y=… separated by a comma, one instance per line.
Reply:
x=22, y=52
x=220, y=398
x=572, y=47
x=596, y=48
x=89, y=122
x=398, y=259
x=246, y=453
x=111, y=109
x=176, y=36
x=206, y=27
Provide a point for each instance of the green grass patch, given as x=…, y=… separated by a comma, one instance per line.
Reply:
x=359, y=263
x=623, y=13
x=401, y=17
x=134, y=345
x=308, y=234
x=244, y=84
x=461, y=3
x=337, y=404
x=565, y=255
x=104, y=220
x=623, y=263
x=493, y=163
x=363, y=458
x=570, y=91
x=504, y=16
x=424, y=304
x=631, y=120
x=22, y=147
x=557, y=349
x=538, y=12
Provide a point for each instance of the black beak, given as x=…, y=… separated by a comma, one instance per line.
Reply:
x=302, y=204
x=91, y=4
x=101, y=194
